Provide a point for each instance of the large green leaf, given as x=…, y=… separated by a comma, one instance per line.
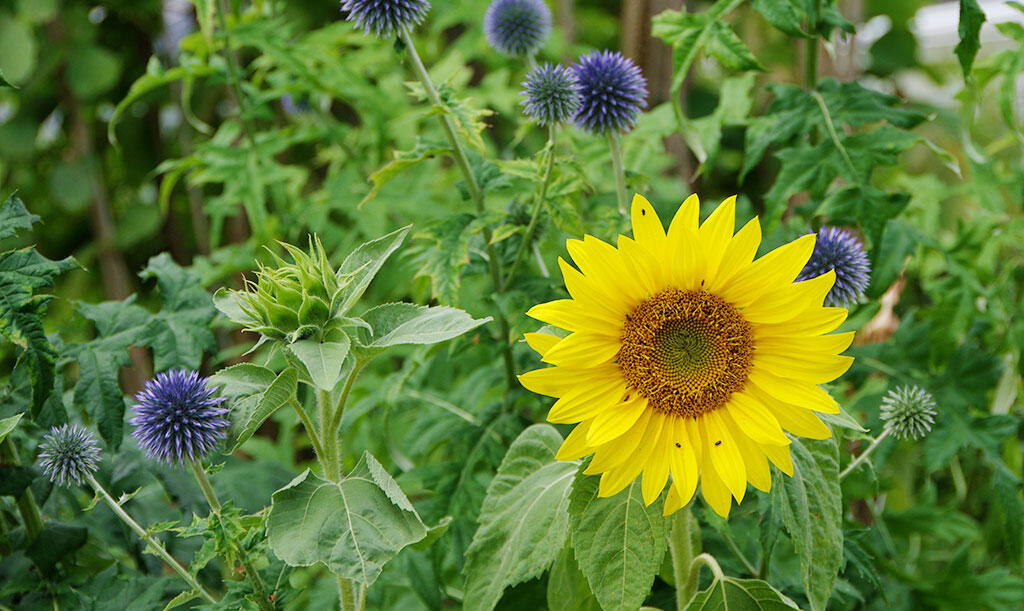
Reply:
x=567, y=586
x=730, y=594
x=363, y=263
x=254, y=394
x=619, y=542
x=407, y=323
x=810, y=504
x=969, y=29
x=523, y=521
x=322, y=362
x=353, y=527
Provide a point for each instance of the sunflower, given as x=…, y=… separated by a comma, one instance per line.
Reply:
x=687, y=357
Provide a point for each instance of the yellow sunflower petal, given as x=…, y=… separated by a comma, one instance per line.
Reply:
x=792, y=301
x=615, y=421
x=776, y=269
x=677, y=498
x=818, y=370
x=655, y=474
x=685, y=261
x=646, y=267
x=795, y=392
x=815, y=321
x=738, y=254
x=724, y=454
x=796, y=420
x=647, y=227
x=758, y=473
x=616, y=452
x=617, y=478
x=682, y=463
x=587, y=402
x=715, y=494
x=575, y=445
x=611, y=304
x=780, y=457
x=715, y=234
x=571, y=316
x=756, y=420
x=582, y=349
x=600, y=261
x=558, y=381
x=818, y=344
x=541, y=342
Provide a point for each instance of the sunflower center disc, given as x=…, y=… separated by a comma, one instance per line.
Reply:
x=686, y=351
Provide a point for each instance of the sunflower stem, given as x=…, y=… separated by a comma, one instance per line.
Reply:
x=332, y=426
x=310, y=429
x=328, y=439
x=459, y=153
x=693, y=577
x=864, y=455
x=348, y=598
x=620, y=172
x=682, y=549
x=27, y=506
x=150, y=539
x=537, y=205
x=250, y=571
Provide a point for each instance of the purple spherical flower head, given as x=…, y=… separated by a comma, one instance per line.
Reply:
x=384, y=17
x=69, y=454
x=549, y=94
x=842, y=251
x=612, y=92
x=177, y=418
x=517, y=27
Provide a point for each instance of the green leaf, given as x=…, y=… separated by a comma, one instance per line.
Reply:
x=322, y=362
x=363, y=263
x=445, y=251
x=969, y=29
x=254, y=394
x=407, y=323
x=14, y=216
x=731, y=594
x=7, y=425
x=523, y=521
x=810, y=504
x=843, y=419
x=56, y=541
x=618, y=541
x=92, y=71
x=783, y=15
x=433, y=534
x=5, y=83
x=567, y=586
x=353, y=527
x=403, y=161
x=725, y=46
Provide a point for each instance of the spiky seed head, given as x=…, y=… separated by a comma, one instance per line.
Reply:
x=612, y=92
x=68, y=454
x=840, y=250
x=177, y=418
x=384, y=17
x=549, y=94
x=517, y=27
x=909, y=412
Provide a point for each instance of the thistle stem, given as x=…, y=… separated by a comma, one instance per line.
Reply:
x=811, y=49
x=620, y=172
x=459, y=153
x=681, y=549
x=537, y=205
x=250, y=571
x=864, y=455
x=150, y=539
x=27, y=506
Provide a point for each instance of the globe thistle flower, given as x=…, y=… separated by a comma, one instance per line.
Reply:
x=839, y=250
x=69, y=454
x=384, y=17
x=909, y=412
x=177, y=418
x=612, y=92
x=517, y=27
x=549, y=94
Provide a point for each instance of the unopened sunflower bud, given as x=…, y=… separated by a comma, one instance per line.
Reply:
x=909, y=412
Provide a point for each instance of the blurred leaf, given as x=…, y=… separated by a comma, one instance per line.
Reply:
x=619, y=542
x=811, y=507
x=523, y=522
x=354, y=527
x=7, y=425
x=14, y=216
x=156, y=76
x=56, y=541
x=5, y=83
x=783, y=15
x=971, y=18
x=567, y=586
x=403, y=161
x=92, y=71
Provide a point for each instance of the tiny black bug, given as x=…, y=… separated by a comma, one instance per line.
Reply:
x=678, y=445
x=718, y=443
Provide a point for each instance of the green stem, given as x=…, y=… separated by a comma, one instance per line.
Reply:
x=328, y=437
x=811, y=49
x=148, y=538
x=459, y=153
x=250, y=571
x=310, y=429
x=234, y=73
x=332, y=428
x=348, y=598
x=27, y=506
x=830, y=126
x=682, y=551
x=620, y=172
x=537, y=205
x=693, y=577
x=864, y=455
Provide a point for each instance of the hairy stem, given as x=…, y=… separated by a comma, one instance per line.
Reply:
x=348, y=597
x=864, y=455
x=620, y=172
x=681, y=549
x=250, y=571
x=308, y=425
x=811, y=49
x=537, y=205
x=693, y=577
x=150, y=539
x=459, y=153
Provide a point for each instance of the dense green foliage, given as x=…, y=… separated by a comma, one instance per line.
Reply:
x=381, y=448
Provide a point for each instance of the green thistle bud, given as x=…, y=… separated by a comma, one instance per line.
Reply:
x=909, y=412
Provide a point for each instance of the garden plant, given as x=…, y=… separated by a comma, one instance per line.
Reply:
x=511, y=304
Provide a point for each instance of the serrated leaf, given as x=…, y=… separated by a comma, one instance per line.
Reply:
x=810, y=504
x=783, y=15
x=354, y=527
x=445, y=251
x=731, y=594
x=619, y=543
x=254, y=394
x=523, y=521
x=322, y=362
x=363, y=263
x=969, y=30
x=403, y=160
x=180, y=332
x=725, y=46
x=567, y=586
x=433, y=534
x=14, y=216
x=407, y=323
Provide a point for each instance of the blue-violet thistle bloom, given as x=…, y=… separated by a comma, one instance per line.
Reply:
x=842, y=251
x=177, y=418
x=517, y=27
x=909, y=412
x=612, y=92
x=385, y=17
x=550, y=94
x=69, y=454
